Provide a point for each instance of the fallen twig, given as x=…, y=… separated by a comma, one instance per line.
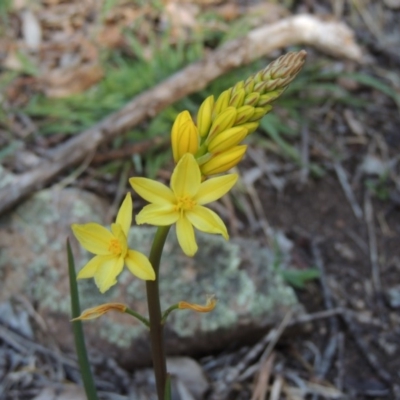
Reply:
x=348, y=191
x=373, y=250
x=365, y=350
x=330, y=350
x=331, y=37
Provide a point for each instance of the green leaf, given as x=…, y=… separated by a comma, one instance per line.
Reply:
x=79, y=336
x=298, y=278
x=168, y=395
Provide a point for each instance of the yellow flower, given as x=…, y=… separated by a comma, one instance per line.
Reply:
x=184, y=136
x=183, y=203
x=111, y=250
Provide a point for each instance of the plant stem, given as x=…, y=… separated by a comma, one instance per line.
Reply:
x=153, y=301
x=83, y=359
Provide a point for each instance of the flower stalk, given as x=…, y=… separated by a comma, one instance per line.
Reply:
x=155, y=316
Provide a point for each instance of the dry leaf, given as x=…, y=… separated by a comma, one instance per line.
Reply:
x=63, y=82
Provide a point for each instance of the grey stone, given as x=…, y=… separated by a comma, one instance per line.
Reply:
x=242, y=274
x=393, y=296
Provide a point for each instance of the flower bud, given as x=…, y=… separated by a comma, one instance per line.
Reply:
x=204, y=116
x=224, y=161
x=259, y=112
x=244, y=113
x=184, y=136
x=251, y=99
x=250, y=126
x=237, y=98
x=268, y=98
x=222, y=103
x=238, y=86
x=224, y=121
x=227, y=139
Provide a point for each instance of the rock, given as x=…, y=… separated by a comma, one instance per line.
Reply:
x=190, y=378
x=251, y=296
x=393, y=296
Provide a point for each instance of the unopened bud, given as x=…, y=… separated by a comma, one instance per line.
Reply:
x=237, y=98
x=224, y=161
x=204, y=116
x=224, y=121
x=222, y=103
x=227, y=139
x=244, y=113
x=184, y=136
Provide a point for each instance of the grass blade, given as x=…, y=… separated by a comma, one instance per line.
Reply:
x=83, y=358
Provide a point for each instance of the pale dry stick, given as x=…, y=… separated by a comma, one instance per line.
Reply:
x=261, y=218
x=331, y=37
x=348, y=191
x=262, y=380
x=235, y=372
x=276, y=388
x=242, y=372
x=274, y=335
x=245, y=205
x=330, y=350
x=303, y=319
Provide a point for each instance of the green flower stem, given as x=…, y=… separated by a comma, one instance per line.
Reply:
x=142, y=319
x=83, y=358
x=168, y=311
x=153, y=301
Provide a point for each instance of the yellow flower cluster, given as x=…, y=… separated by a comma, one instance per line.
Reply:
x=222, y=125
x=211, y=147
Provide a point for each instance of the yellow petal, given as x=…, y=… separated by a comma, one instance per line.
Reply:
x=214, y=188
x=206, y=220
x=91, y=267
x=185, y=235
x=159, y=215
x=106, y=274
x=152, y=191
x=186, y=178
x=93, y=237
x=98, y=311
x=140, y=265
x=124, y=216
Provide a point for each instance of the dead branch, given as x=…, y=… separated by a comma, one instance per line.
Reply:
x=331, y=37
